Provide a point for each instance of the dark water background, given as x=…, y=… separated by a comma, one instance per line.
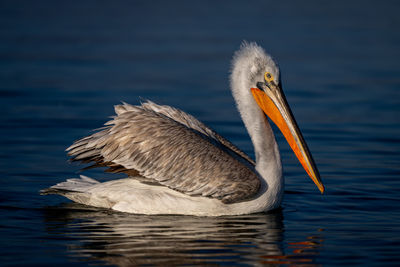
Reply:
x=64, y=64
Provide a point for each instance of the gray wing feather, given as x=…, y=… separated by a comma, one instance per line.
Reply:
x=172, y=148
x=193, y=123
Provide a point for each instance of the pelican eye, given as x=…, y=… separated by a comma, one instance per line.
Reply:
x=268, y=77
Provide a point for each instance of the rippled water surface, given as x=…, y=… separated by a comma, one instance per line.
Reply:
x=64, y=65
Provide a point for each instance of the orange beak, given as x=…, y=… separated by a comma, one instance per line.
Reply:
x=272, y=101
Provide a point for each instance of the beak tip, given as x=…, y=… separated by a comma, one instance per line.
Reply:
x=322, y=189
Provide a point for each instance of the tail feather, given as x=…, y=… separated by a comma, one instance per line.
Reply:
x=81, y=184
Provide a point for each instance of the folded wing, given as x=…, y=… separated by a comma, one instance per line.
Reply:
x=163, y=145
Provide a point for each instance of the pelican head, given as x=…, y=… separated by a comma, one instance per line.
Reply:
x=256, y=84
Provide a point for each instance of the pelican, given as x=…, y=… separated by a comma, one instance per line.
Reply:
x=177, y=165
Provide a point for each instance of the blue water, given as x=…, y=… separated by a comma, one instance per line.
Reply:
x=64, y=65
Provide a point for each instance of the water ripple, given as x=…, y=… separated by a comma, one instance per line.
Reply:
x=124, y=239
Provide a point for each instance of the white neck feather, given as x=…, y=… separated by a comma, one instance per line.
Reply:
x=260, y=131
x=247, y=64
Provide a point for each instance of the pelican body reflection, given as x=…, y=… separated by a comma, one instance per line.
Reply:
x=122, y=239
